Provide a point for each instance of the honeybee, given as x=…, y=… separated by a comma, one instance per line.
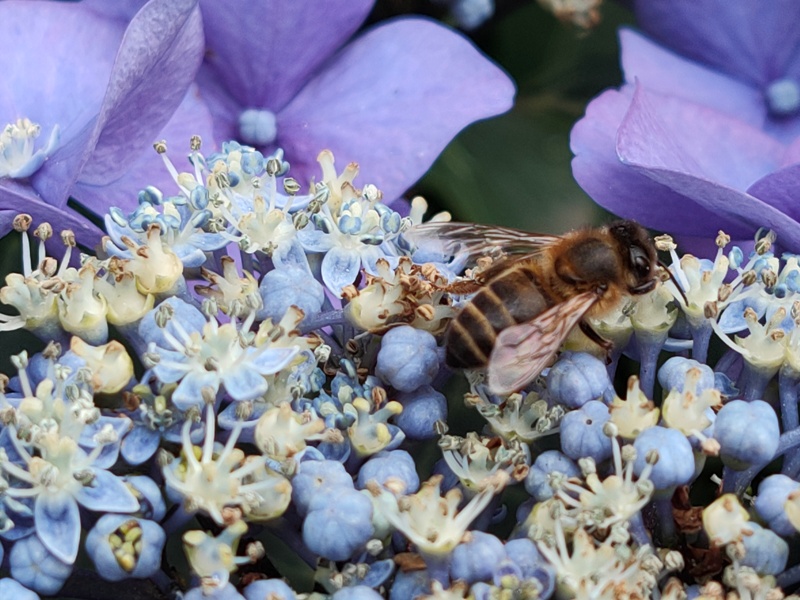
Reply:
x=530, y=300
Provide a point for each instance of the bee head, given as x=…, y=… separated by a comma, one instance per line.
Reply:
x=639, y=254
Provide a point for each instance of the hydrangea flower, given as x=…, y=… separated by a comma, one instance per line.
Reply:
x=82, y=128
x=705, y=126
x=404, y=88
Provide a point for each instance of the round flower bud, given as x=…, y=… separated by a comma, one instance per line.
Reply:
x=189, y=317
x=577, y=378
x=476, y=559
x=317, y=478
x=33, y=566
x=12, y=589
x=274, y=589
x=408, y=358
x=286, y=286
x=357, y=592
x=770, y=503
x=582, y=433
x=672, y=374
x=675, y=465
x=532, y=565
x=410, y=584
x=340, y=527
x=394, y=464
x=765, y=551
x=227, y=592
x=537, y=482
x=421, y=409
x=747, y=432
x=122, y=546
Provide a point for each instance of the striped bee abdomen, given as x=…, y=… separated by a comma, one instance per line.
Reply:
x=511, y=297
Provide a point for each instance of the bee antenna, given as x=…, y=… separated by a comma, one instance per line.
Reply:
x=675, y=281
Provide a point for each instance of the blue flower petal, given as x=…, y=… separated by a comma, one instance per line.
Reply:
x=340, y=267
x=139, y=445
x=244, y=383
x=190, y=390
x=107, y=493
x=58, y=525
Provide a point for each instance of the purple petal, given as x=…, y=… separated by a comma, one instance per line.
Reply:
x=58, y=525
x=753, y=41
x=16, y=198
x=780, y=189
x=156, y=63
x=661, y=70
x=191, y=118
x=624, y=191
x=290, y=40
x=394, y=98
x=705, y=156
x=666, y=132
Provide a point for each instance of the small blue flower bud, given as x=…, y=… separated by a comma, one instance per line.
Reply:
x=765, y=551
x=396, y=464
x=577, y=378
x=357, y=592
x=340, y=528
x=672, y=374
x=408, y=358
x=36, y=568
x=421, y=409
x=582, y=432
x=288, y=286
x=112, y=544
x=675, y=464
x=476, y=559
x=274, y=589
x=147, y=492
x=552, y=461
x=783, y=97
x=748, y=433
x=12, y=589
x=525, y=555
x=317, y=478
x=773, y=493
x=410, y=584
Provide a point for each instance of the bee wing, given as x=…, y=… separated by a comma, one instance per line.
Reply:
x=522, y=351
x=477, y=240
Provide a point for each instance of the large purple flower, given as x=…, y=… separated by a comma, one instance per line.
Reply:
x=276, y=75
x=693, y=145
x=98, y=91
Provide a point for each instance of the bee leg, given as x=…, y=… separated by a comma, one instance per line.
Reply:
x=597, y=339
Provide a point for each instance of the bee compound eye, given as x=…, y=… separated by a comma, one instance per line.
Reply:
x=640, y=260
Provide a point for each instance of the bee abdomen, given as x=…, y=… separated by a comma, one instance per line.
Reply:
x=510, y=298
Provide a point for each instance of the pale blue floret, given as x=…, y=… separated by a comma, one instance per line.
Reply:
x=10, y=588
x=672, y=375
x=316, y=478
x=408, y=358
x=338, y=524
x=582, y=433
x=771, y=501
x=102, y=553
x=395, y=464
x=765, y=551
x=269, y=588
x=577, y=378
x=748, y=433
x=36, y=568
x=257, y=127
x=537, y=482
x=358, y=592
x=783, y=97
x=476, y=559
x=675, y=464
x=422, y=408
x=287, y=286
